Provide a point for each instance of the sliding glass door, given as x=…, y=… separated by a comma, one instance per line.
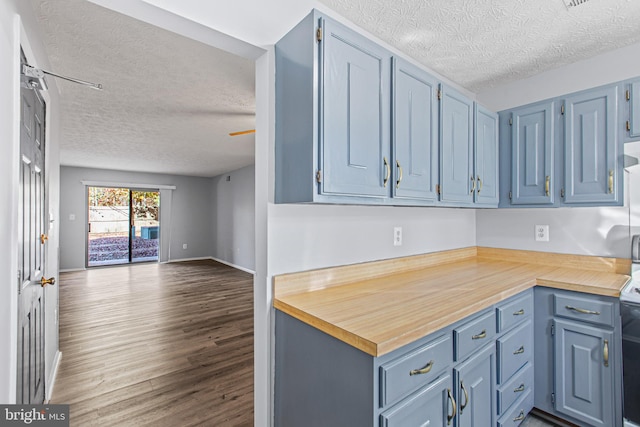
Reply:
x=123, y=226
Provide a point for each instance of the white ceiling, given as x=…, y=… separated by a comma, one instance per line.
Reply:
x=169, y=102
x=483, y=43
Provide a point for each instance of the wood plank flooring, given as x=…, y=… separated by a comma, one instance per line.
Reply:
x=157, y=344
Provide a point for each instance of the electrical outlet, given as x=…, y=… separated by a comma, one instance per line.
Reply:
x=397, y=236
x=542, y=233
x=184, y=246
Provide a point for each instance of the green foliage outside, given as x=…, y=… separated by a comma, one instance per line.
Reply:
x=145, y=203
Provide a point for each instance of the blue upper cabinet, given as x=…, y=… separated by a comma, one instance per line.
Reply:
x=591, y=152
x=415, y=135
x=632, y=120
x=486, y=157
x=333, y=89
x=532, y=154
x=355, y=114
x=457, y=180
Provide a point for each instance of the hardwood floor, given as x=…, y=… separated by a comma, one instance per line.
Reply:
x=161, y=344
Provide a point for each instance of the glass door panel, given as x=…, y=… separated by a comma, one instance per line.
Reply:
x=145, y=230
x=109, y=219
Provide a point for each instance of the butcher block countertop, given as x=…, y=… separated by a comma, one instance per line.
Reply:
x=381, y=306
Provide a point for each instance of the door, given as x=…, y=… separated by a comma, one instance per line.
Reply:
x=486, y=156
x=583, y=374
x=31, y=250
x=123, y=226
x=591, y=147
x=475, y=379
x=456, y=147
x=532, y=145
x=355, y=123
x=415, y=136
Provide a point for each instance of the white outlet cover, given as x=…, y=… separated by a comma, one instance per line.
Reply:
x=542, y=233
x=397, y=236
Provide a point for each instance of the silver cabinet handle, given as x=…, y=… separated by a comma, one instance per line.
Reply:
x=605, y=353
x=519, y=389
x=399, y=174
x=421, y=371
x=519, y=417
x=582, y=310
x=387, y=171
x=519, y=312
x=453, y=404
x=482, y=334
x=466, y=397
x=520, y=350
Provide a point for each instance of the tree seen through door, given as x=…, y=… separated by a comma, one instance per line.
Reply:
x=123, y=226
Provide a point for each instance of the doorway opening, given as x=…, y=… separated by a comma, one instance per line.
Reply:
x=123, y=225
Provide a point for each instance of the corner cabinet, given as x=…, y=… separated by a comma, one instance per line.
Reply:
x=332, y=108
x=578, y=357
x=565, y=151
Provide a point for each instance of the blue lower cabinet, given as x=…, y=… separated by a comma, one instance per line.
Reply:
x=432, y=406
x=518, y=411
x=475, y=384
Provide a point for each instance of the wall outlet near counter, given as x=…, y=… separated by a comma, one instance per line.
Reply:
x=184, y=246
x=542, y=233
x=397, y=236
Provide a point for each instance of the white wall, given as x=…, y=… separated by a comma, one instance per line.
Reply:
x=18, y=26
x=585, y=231
x=189, y=210
x=233, y=208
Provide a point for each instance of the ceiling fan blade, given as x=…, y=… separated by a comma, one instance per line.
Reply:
x=242, y=132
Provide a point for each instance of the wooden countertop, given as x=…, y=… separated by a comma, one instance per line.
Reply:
x=381, y=306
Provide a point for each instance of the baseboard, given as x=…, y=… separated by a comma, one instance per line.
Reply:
x=221, y=261
x=54, y=374
x=68, y=270
x=189, y=259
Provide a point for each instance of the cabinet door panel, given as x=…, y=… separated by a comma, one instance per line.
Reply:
x=356, y=76
x=591, y=147
x=475, y=379
x=532, y=155
x=415, y=133
x=456, y=147
x=427, y=407
x=584, y=380
x=486, y=156
x=634, y=110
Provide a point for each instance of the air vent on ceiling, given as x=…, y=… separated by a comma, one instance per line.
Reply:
x=574, y=3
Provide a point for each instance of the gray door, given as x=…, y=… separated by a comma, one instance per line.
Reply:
x=475, y=379
x=356, y=96
x=31, y=250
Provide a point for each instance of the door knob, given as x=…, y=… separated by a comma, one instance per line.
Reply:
x=50, y=281
x=43, y=238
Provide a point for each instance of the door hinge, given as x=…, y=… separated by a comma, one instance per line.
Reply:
x=438, y=189
x=439, y=94
x=628, y=126
x=510, y=195
x=562, y=193
x=319, y=34
x=628, y=96
x=553, y=398
x=553, y=330
x=562, y=109
x=319, y=177
x=510, y=122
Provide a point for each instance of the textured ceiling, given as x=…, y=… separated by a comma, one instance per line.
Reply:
x=483, y=43
x=168, y=102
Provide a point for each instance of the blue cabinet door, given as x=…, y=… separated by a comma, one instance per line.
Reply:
x=532, y=155
x=486, y=157
x=592, y=170
x=415, y=137
x=474, y=380
x=456, y=148
x=431, y=406
x=583, y=366
x=355, y=84
x=633, y=125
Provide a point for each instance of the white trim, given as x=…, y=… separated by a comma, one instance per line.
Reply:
x=127, y=185
x=189, y=259
x=52, y=377
x=221, y=261
x=69, y=270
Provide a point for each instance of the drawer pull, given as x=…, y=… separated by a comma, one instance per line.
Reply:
x=466, y=397
x=520, y=350
x=519, y=312
x=387, y=172
x=519, y=389
x=582, y=310
x=399, y=174
x=481, y=335
x=519, y=417
x=421, y=371
x=453, y=405
x=605, y=353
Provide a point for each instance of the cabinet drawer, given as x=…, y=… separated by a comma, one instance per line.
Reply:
x=514, y=350
x=514, y=312
x=516, y=387
x=518, y=411
x=411, y=371
x=474, y=334
x=584, y=309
